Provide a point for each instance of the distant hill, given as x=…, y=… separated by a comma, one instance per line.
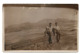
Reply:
x=41, y=24
x=19, y=27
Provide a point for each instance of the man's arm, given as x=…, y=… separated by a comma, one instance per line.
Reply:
x=45, y=32
x=53, y=30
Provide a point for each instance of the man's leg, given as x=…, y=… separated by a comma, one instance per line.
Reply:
x=50, y=41
x=58, y=36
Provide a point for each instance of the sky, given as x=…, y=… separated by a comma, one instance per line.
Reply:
x=17, y=15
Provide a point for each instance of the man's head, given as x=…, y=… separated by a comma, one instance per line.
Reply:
x=50, y=24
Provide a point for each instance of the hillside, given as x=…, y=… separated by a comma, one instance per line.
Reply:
x=33, y=38
x=41, y=24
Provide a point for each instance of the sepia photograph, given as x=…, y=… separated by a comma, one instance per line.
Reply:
x=40, y=27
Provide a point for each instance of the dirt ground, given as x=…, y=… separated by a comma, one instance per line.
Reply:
x=34, y=39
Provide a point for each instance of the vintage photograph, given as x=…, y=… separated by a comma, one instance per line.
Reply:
x=40, y=27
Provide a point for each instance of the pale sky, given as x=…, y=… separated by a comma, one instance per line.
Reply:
x=17, y=15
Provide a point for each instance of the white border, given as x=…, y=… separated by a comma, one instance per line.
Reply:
x=34, y=2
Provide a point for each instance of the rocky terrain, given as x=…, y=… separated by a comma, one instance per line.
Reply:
x=28, y=36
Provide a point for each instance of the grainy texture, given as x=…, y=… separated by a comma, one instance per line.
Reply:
x=25, y=26
x=34, y=39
